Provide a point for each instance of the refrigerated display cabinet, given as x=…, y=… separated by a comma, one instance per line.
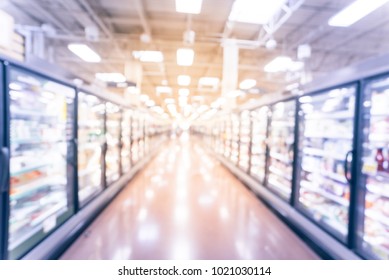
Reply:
x=91, y=142
x=259, y=119
x=373, y=226
x=244, y=141
x=135, y=136
x=234, y=156
x=281, y=148
x=126, y=140
x=326, y=125
x=228, y=138
x=112, y=156
x=42, y=153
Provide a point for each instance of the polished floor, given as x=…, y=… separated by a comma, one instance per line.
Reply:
x=185, y=205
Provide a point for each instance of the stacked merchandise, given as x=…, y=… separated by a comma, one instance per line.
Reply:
x=227, y=138
x=135, y=136
x=260, y=119
x=281, y=143
x=375, y=169
x=91, y=139
x=244, y=141
x=326, y=138
x=141, y=145
x=126, y=141
x=112, y=157
x=41, y=135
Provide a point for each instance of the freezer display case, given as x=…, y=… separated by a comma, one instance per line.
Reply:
x=112, y=157
x=227, y=138
x=41, y=158
x=135, y=136
x=234, y=156
x=141, y=141
x=281, y=145
x=244, y=141
x=126, y=141
x=325, y=142
x=373, y=228
x=91, y=140
x=260, y=119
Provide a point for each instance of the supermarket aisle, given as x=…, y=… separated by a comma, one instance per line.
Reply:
x=185, y=205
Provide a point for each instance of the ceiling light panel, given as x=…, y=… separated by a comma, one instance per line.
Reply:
x=183, y=92
x=111, y=77
x=209, y=81
x=163, y=89
x=84, y=52
x=148, y=56
x=189, y=6
x=247, y=84
x=185, y=57
x=355, y=11
x=279, y=64
x=255, y=12
x=183, y=80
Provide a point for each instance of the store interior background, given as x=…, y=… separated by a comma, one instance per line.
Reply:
x=195, y=64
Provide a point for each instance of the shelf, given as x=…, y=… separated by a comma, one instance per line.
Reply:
x=35, y=141
x=29, y=168
x=25, y=112
x=25, y=189
x=376, y=216
x=87, y=171
x=306, y=185
x=278, y=172
x=379, y=175
x=335, y=177
x=377, y=190
x=278, y=186
x=280, y=157
x=89, y=145
x=375, y=137
x=330, y=115
x=336, y=137
x=322, y=153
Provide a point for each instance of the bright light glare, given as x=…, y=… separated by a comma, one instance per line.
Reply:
x=255, y=12
x=279, y=64
x=84, y=52
x=183, y=92
x=185, y=57
x=111, y=77
x=183, y=80
x=247, y=84
x=189, y=6
x=163, y=89
x=148, y=56
x=209, y=81
x=354, y=12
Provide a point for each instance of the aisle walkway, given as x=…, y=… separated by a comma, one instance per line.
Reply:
x=185, y=205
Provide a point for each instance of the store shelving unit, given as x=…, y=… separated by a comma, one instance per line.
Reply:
x=244, y=140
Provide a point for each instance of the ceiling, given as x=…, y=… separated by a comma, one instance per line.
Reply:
x=122, y=22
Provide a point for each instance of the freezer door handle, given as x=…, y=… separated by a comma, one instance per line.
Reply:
x=4, y=160
x=346, y=166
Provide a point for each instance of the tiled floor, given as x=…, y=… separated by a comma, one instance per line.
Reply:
x=185, y=205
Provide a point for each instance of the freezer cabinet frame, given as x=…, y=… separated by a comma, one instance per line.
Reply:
x=70, y=156
x=349, y=238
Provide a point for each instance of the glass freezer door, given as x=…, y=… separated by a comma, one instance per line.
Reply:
x=42, y=151
x=91, y=139
x=281, y=144
x=135, y=135
x=373, y=227
x=112, y=157
x=244, y=141
x=126, y=141
x=326, y=140
x=259, y=119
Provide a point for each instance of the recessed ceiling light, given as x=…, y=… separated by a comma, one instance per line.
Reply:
x=163, y=89
x=185, y=57
x=354, y=12
x=183, y=80
x=144, y=97
x=255, y=12
x=247, y=84
x=111, y=77
x=150, y=103
x=279, y=64
x=84, y=52
x=189, y=6
x=209, y=81
x=148, y=56
x=183, y=92
x=169, y=100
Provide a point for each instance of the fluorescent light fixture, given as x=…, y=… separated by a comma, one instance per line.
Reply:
x=111, y=77
x=255, y=12
x=354, y=12
x=183, y=92
x=169, y=100
x=247, y=84
x=209, y=81
x=189, y=6
x=185, y=57
x=84, y=52
x=150, y=103
x=183, y=80
x=163, y=89
x=144, y=97
x=279, y=64
x=148, y=56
